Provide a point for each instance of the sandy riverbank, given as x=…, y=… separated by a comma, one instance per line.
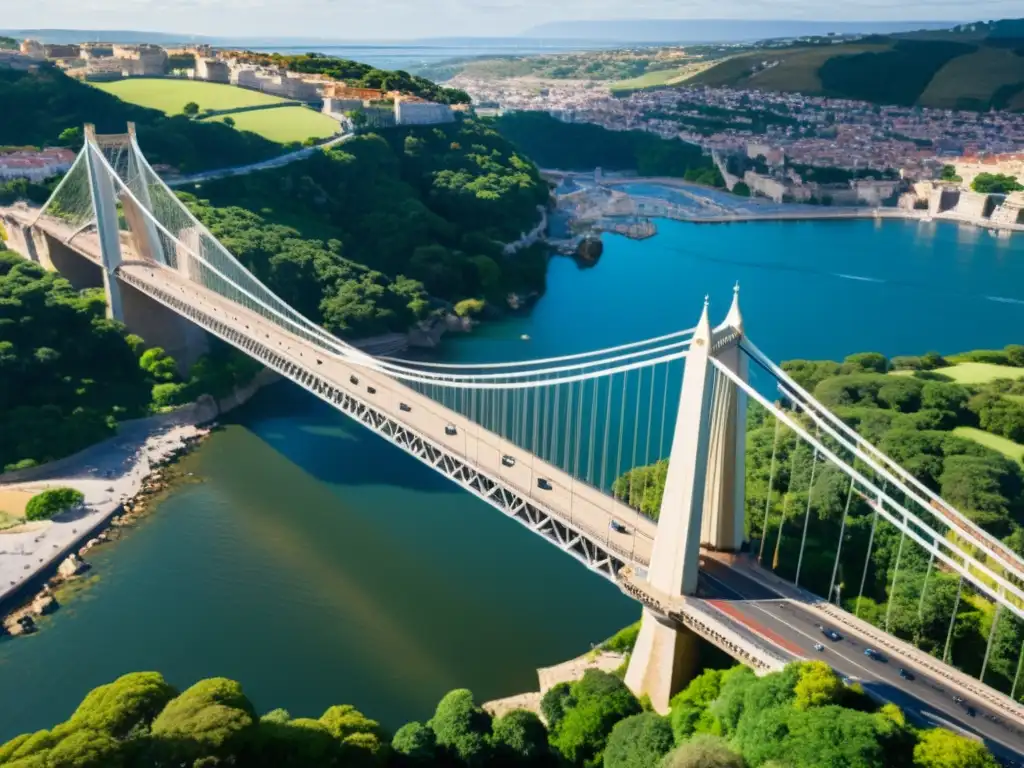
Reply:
x=117, y=473
x=549, y=677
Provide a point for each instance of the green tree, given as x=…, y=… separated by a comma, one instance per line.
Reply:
x=599, y=700
x=554, y=703
x=213, y=718
x=229, y=121
x=939, y=748
x=639, y=741
x=72, y=138
x=415, y=744
x=703, y=751
x=741, y=189
x=127, y=705
x=462, y=728
x=158, y=364
x=817, y=686
x=191, y=109
x=520, y=738
x=52, y=501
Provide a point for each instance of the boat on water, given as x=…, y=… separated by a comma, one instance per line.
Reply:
x=525, y=337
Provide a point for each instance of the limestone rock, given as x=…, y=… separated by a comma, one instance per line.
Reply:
x=44, y=604
x=72, y=566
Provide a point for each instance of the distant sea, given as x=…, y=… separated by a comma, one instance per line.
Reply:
x=413, y=55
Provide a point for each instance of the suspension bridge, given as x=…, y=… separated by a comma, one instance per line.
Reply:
x=550, y=443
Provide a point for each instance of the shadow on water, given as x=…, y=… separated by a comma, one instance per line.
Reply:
x=333, y=448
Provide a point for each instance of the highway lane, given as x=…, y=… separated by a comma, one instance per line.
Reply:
x=926, y=699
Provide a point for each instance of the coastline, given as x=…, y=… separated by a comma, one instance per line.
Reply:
x=742, y=209
x=116, y=476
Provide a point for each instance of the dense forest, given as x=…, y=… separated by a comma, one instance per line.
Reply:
x=801, y=717
x=366, y=236
x=360, y=75
x=48, y=103
x=910, y=415
x=68, y=374
x=582, y=146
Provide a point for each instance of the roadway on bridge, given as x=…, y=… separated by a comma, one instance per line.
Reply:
x=926, y=699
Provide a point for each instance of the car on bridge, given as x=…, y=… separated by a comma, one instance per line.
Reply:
x=906, y=674
x=508, y=461
x=404, y=407
x=544, y=484
x=618, y=527
x=874, y=655
x=450, y=430
x=353, y=379
x=831, y=634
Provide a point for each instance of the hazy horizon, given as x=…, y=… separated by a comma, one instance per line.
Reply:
x=332, y=20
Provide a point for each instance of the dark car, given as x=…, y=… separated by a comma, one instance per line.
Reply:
x=543, y=484
x=508, y=461
x=971, y=711
x=450, y=430
x=371, y=390
x=404, y=407
x=618, y=527
x=871, y=653
x=906, y=674
x=353, y=379
x=831, y=634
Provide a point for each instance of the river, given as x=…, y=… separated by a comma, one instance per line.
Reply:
x=319, y=565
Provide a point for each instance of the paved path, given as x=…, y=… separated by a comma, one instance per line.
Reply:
x=108, y=473
x=274, y=162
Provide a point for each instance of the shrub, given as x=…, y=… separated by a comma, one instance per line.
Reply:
x=52, y=502
x=703, y=752
x=600, y=701
x=554, y=703
x=520, y=737
x=623, y=640
x=415, y=742
x=462, y=727
x=469, y=307
x=639, y=741
x=130, y=702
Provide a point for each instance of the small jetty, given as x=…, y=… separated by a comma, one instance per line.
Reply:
x=634, y=230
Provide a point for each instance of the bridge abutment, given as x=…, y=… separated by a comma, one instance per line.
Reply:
x=667, y=657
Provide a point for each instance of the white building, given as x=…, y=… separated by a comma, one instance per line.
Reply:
x=212, y=70
x=36, y=166
x=409, y=112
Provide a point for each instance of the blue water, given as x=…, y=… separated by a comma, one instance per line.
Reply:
x=411, y=56
x=816, y=289
x=318, y=564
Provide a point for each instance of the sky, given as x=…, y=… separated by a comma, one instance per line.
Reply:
x=406, y=19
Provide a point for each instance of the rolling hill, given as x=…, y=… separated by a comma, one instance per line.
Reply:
x=975, y=67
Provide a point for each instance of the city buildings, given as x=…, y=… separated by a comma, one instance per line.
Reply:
x=788, y=128
x=35, y=166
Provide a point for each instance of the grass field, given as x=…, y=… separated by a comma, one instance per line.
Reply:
x=980, y=373
x=796, y=69
x=171, y=96
x=973, y=78
x=1006, y=447
x=285, y=124
x=662, y=77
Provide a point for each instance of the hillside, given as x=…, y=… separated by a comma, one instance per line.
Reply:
x=948, y=70
x=48, y=103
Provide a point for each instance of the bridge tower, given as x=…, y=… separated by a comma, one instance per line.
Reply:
x=104, y=204
x=703, y=502
x=156, y=324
